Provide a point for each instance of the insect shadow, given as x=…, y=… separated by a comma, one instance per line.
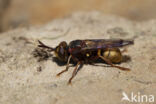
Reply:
x=62, y=63
x=98, y=62
x=126, y=59
x=58, y=62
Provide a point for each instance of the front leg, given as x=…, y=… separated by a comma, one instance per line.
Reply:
x=67, y=66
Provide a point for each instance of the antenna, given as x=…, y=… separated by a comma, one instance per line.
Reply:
x=45, y=46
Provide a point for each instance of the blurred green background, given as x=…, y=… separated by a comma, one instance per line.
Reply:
x=19, y=13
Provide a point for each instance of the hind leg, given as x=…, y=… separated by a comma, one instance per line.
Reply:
x=110, y=63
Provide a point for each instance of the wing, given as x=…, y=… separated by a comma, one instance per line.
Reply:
x=94, y=44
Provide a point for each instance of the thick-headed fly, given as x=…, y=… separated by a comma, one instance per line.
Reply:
x=86, y=51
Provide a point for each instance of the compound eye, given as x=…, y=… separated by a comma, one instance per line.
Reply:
x=62, y=50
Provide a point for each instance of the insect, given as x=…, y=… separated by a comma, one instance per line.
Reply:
x=86, y=51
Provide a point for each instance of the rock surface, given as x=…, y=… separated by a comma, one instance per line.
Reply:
x=24, y=80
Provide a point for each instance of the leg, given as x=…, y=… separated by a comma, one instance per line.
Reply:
x=67, y=67
x=74, y=72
